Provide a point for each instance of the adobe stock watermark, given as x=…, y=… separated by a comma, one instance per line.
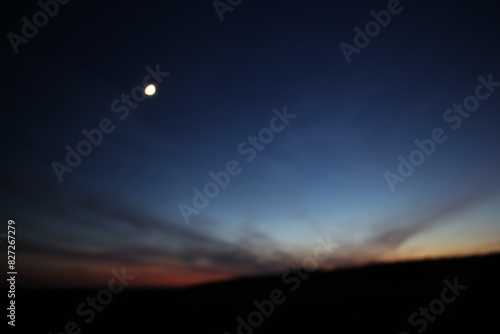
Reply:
x=436, y=307
x=249, y=148
x=225, y=6
x=291, y=277
x=372, y=29
x=104, y=297
x=454, y=118
x=94, y=137
x=29, y=29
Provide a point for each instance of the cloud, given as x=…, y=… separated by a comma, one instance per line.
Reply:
x=106, y=229
x=392, y=235
x=150, y=240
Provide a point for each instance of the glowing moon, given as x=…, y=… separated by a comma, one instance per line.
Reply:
x=150, y=89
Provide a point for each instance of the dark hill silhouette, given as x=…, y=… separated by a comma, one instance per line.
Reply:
x=372, y=299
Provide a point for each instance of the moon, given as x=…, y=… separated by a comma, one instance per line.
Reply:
x=150, y=90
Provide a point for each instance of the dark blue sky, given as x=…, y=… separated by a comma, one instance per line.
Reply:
x=323, y=175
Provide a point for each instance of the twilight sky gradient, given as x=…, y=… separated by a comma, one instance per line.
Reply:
x=323, y=175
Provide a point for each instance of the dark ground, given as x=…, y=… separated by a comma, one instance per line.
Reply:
x=374, y=299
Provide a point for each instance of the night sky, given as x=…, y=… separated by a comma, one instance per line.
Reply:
x=309, y=137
